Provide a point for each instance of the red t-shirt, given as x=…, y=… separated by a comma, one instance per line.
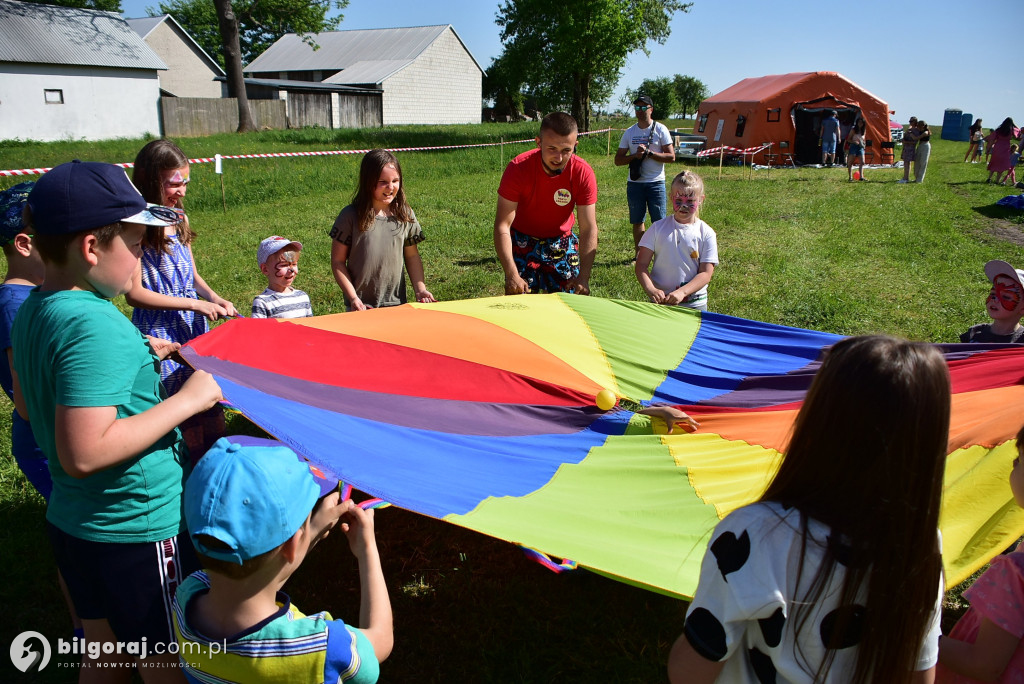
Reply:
x=546, y=202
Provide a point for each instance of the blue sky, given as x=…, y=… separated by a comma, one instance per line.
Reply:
x=921, y=58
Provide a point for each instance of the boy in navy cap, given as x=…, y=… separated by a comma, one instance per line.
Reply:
x=1005, y=306
x=93, y=394
x=253, y=515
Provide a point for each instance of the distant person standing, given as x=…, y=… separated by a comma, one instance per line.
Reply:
x=998, y=147
x=855, y=154
x=909, y=147
x=923, y=152
x=829, y=137
x=645, y=147
x=1011, y=175
x=972, y=147
x=533, y=222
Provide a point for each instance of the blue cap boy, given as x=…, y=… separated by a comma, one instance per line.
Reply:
x=250, y=499
x=253, y=515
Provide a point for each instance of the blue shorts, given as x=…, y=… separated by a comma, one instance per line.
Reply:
x=828, y=145
x=644, y=198
x=855, y=151
x=546, y=264
x=29, y=457
x=130, y=585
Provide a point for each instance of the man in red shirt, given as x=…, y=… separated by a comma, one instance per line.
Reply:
x=533, y=224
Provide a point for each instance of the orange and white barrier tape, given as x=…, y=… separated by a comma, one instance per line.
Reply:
x=732, y=150
x=271, y=155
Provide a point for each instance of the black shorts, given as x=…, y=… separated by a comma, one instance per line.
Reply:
x=131, y=586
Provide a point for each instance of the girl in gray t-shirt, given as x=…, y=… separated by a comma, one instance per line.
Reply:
x=375, y=237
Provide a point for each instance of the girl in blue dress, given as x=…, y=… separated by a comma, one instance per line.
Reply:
x=171, y=299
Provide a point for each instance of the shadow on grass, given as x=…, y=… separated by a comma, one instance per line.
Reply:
x=477, y=610
x=996, y=211
x=29, y=589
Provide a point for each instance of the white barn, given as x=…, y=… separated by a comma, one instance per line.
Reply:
x=191, y=72
x=426, y=73
x=69, y=73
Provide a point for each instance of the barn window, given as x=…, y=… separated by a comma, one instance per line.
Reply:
x=775, y=114
x=741, y=122
x=53, y=96
x=703, y=123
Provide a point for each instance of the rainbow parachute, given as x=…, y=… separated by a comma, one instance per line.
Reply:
x=482, y=413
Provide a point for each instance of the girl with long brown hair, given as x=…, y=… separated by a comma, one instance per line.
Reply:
x=835, y=574
x=375, y=236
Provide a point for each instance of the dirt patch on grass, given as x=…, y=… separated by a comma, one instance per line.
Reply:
x=1004, y=230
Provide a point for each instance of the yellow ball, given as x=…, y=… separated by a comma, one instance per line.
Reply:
x=605, y=400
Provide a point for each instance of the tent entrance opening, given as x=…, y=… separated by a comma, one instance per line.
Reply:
x=808, y=132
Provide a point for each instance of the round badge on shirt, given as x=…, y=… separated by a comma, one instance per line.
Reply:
x=562, y=197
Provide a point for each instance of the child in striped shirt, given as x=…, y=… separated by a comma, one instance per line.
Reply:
x=279, y=261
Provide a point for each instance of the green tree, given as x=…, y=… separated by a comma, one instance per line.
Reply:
x=260, y=22
x=690, y=92
x=102, y=5
x=661, y=92
x=571, y=52
x=504, y=85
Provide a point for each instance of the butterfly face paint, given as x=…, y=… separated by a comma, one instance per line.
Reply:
x=685, y=206
x=1006, y=293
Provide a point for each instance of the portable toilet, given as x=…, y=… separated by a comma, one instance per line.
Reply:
x=951, y=124
x=965, y=126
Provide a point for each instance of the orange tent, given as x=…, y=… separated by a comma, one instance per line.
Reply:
x=788, y=108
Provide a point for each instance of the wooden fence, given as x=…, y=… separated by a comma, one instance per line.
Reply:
x=196, y=116
x=358, y=110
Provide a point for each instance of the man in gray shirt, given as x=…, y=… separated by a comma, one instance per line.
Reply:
x=829, y=137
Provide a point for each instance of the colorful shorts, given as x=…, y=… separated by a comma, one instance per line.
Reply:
x=546, y=264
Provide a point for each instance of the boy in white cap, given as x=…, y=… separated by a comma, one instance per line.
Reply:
x=90, y=383
x=253, y=514
x=279, y=262
x=1005, y=306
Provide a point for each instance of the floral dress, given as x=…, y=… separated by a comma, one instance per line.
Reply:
x=170, y=274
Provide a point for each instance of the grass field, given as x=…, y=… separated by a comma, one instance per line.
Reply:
x=798, y=247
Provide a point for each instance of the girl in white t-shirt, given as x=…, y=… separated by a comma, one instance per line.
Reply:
x=683, y=247
x=835, y=574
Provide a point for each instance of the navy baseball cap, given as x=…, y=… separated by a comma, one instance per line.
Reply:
x=86, y=195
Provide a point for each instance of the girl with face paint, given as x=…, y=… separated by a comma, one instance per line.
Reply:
x=683, y=248
x=171, y=299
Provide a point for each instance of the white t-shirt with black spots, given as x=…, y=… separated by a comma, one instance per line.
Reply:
x=747, y=596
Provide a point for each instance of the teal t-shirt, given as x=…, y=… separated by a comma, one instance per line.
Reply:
x=74, y=348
